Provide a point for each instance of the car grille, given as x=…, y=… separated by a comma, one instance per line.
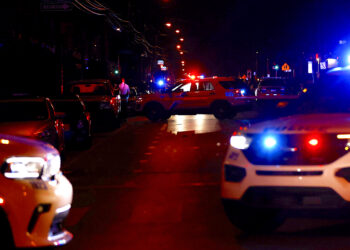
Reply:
x=293, y=149
x=293, y=197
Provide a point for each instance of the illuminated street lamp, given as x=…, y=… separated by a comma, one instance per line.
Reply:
x=177, y=31
x=178, y=46
x=181, y=39
x=168, y=24
x=181, y=52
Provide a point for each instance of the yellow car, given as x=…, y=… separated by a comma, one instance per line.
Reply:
x=35, y=197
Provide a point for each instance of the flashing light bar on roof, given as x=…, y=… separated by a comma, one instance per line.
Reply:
x=343, y=136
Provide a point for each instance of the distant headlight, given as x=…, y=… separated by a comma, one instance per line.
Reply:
x=32, y=167
x=240, y=141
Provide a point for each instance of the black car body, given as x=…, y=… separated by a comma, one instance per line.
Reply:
x=100, y=99
x=76, y=119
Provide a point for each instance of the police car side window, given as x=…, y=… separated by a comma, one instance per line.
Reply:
x=207, y=86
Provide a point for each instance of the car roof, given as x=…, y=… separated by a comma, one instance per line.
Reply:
x=89, y=81
x=23, y=99
x=65, y=97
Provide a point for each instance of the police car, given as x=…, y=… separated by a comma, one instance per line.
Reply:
x=299, y=162
x=221, y=96
x=34, y=195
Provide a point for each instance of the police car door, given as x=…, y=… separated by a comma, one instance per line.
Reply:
x=200, y=95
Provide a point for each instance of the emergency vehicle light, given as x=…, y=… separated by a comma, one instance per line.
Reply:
x=343, y=136
x=270, y=142
x=240, y=141
x=160, y=83
x=313, y=142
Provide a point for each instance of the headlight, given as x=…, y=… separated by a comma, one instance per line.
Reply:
x=32, y=167
x=53, y=166
x=240, y=141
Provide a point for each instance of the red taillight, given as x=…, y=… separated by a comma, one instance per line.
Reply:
x=313, y=142
x=2, y=201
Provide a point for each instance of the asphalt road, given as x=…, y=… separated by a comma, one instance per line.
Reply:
x=156, y=186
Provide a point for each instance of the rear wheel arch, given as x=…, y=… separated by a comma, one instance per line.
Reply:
x=221, y=109
x=154, y=111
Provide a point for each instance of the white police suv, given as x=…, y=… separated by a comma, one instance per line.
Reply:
x=297, y=162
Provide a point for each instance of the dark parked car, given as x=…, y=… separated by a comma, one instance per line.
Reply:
x=76, y=119
x=32, y=117
x=277, y=88
x=100, y=99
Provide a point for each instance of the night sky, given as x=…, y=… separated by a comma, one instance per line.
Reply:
x=222, y=36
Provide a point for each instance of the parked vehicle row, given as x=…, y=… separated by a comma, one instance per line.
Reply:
x=35, y=132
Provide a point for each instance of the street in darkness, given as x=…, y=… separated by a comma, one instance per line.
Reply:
x=156, y=186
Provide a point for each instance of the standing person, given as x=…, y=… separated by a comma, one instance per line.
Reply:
x=124, y=91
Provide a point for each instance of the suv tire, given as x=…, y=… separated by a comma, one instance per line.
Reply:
x=221, y=110
x=154, y=112
x=253, y=220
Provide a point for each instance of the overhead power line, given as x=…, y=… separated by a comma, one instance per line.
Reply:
x=96, y=8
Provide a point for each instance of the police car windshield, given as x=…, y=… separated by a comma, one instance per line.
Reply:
x=23, y=111
x=182, y=87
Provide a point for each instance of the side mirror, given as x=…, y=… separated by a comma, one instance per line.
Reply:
x=61, y=115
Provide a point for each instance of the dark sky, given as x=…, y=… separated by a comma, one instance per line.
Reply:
x=222, y=36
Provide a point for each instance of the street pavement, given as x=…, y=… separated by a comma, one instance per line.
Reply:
x=157, y=186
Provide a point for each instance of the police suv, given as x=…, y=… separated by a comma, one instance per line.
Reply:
x=299, y=162
x=221, y=96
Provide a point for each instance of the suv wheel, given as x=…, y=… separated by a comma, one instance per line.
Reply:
x=221, y=110
x=154, y=112
x=253, y=220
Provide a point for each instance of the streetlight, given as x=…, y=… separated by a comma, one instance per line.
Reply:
x=168, y=24
x=178, y=46
x=177, y=31
x=181, y=39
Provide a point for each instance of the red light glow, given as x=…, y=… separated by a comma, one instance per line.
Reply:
x=2, y=201
x=178, y=46
x=168, y=25
x=313, y=142
x=177, y=31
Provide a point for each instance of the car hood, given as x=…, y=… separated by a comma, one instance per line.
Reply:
x=299, y=124
x=18, y=146
x=26, y=128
